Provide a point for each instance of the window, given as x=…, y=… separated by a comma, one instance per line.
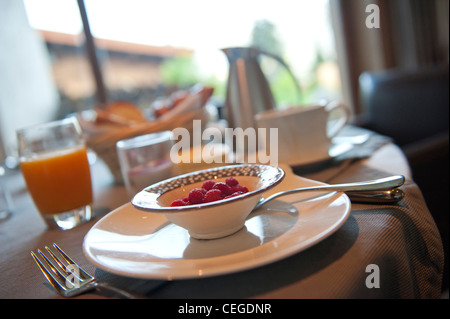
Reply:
x=148, y=49
x=158, y=43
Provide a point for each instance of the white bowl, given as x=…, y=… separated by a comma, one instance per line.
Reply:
x=215, y=219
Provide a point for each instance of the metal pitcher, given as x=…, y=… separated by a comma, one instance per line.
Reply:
x=248, y=91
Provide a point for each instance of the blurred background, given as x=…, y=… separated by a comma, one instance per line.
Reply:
x=147, y=49
x=390, y=65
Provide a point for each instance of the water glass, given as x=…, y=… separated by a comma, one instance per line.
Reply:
x=5, y=198
x=145, y=160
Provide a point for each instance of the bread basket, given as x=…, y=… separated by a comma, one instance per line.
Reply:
x=102, y=139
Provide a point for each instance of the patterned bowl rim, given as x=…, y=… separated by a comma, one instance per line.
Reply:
x=277, y=174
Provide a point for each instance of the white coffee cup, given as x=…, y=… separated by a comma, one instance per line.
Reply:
x=304, y=132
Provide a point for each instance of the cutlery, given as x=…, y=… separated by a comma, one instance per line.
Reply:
x=67, y=278
x=376, y=190
x=377, y=197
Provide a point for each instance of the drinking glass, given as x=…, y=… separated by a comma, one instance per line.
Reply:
x=54, y=163
x=5, y=198
x=145, y=160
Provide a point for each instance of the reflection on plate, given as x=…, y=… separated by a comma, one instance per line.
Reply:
x=137, y=244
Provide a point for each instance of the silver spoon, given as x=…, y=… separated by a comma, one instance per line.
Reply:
x=377, y=197
x=384, y=187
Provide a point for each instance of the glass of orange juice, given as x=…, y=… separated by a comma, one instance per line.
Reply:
x=55, y=166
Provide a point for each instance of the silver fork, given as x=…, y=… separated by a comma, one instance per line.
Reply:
x=67, y=277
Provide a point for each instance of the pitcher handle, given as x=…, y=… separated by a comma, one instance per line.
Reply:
x=343, y=120
x=286, y=66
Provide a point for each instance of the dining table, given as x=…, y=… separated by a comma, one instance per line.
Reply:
x=380, y=250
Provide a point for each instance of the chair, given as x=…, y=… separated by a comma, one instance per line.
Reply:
x=406, y=105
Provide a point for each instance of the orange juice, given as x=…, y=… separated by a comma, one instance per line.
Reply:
x=59, y=181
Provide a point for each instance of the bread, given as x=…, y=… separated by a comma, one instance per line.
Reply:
x=120, y=113
x=161, y=107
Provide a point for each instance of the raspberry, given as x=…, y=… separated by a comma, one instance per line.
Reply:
x=178, y=202
x=224, y=188
x=239, y=188
x=208, y=184
x=212, y=191
x=235, y=194
x=231, y=181
x=196, y=196
x=213, y=195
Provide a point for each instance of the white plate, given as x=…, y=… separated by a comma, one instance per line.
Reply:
x=137, y=244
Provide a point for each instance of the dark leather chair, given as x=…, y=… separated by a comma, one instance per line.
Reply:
x=406, y=105
x=412, y=107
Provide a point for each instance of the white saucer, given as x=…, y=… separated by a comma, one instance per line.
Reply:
x=137, y=244
x=334, y=151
